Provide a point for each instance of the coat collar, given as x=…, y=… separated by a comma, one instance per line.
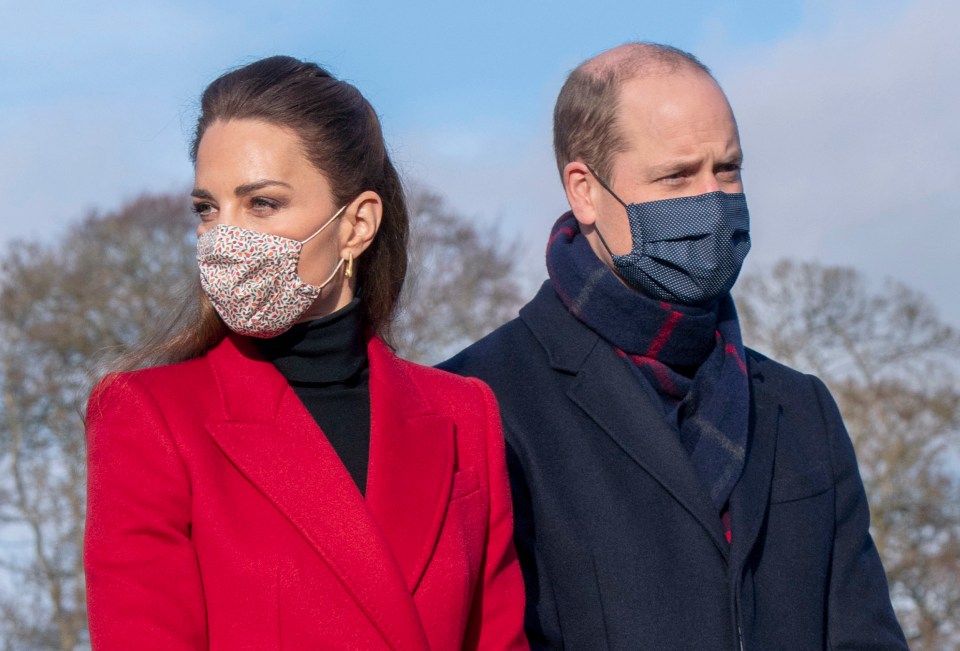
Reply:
x=606, y=390
x=566, y=341
x=379, y=547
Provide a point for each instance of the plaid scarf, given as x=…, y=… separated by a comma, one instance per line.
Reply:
x=692, y=357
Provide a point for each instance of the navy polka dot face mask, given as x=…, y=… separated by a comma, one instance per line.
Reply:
x=687, y=250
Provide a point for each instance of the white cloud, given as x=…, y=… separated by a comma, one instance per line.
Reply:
x=853, y=147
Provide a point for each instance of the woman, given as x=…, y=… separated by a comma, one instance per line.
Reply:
x=290, y=483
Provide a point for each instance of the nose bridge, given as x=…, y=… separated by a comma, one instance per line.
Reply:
x=707, y=180
x=229, y=212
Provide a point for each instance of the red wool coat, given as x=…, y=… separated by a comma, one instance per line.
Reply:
x=220, y=517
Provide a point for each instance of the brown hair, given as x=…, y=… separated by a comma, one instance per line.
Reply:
x=585, y=125
x=341, y=135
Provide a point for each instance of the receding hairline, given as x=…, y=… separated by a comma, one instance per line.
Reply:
x=640, y=59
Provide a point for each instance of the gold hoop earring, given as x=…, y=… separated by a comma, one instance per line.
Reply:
x=349, y=272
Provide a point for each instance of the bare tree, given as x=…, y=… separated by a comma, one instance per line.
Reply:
x=65, y=306
x=463, y=281
x=892, y=365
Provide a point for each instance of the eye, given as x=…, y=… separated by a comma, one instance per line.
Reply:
x=729, y=171
x=204, y=209
x=264, y=205
x=673, y=178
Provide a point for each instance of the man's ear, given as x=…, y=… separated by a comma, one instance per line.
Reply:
x=361, y=221
x=578, y=184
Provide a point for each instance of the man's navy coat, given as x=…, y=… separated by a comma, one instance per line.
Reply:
x=620, y=545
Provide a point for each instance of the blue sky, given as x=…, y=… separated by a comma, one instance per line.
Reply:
x=846, y=109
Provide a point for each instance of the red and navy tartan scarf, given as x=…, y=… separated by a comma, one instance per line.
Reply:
x=692, y=357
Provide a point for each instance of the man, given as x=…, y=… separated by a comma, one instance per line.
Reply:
x=672, y=489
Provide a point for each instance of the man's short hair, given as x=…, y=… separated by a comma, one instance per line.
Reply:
x=585, y=125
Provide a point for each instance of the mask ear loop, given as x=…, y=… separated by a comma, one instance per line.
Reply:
x=340, y=263
x=329, y=221
x=331, y=276
x=614, y=194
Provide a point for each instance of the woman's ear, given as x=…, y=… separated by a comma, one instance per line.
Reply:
x=361, y=221
x=577, y=184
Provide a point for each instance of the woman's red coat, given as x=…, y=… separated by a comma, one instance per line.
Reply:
x=220, y=517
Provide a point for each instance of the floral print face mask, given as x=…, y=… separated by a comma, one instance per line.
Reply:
x=251, y=278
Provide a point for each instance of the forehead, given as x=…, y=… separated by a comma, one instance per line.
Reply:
x=251, y=146
x=675, y=113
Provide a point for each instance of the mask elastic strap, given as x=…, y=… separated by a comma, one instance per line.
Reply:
x=605, y=186
x=608, y=189
x=320, y=230
x=331, y=276
x=603, y=241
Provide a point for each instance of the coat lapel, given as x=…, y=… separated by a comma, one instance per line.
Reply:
x=609, y=393
x=606, y=390
x=411, y=463
x=751, y=495
x=273, y=440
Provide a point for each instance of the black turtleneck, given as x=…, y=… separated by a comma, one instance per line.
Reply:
x=325, y=362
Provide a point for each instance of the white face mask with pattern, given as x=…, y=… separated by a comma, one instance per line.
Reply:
x=251, y=278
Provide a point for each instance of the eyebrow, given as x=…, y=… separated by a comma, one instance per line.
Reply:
x=240, y=190
x=248, y=188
